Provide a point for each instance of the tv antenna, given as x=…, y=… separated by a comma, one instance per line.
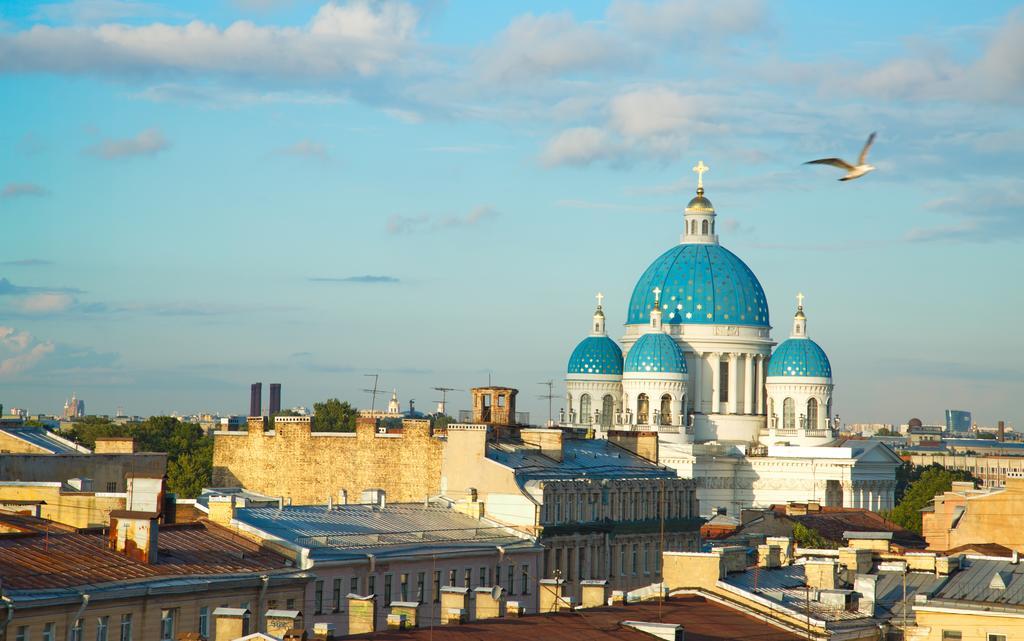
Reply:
x=550, y=396
x=443, y=407
x=373, y=392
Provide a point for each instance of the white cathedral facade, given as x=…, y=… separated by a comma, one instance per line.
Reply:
x=752, y=420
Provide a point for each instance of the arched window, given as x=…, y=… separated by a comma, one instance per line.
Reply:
x=704, y=227
x=666, y=410
x=788, y=414
x=828, y=409
x=607, y=409
x=585, y=416
x=712, y=226
x=642, y=409
x=812, y=414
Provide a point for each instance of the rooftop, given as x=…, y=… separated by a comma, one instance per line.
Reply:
x=986, y=582
x=399, y=529
x=581, y=458
x=43, y=439
x=703, y=621
x=835, y=523
x=69, y=559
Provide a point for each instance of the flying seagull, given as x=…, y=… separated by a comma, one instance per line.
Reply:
x=852, y=171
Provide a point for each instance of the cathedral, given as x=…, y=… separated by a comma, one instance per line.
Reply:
x=751, y=419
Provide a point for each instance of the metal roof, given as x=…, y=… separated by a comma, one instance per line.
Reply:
x=59, y=560
x=399, y=529
x=974, y=583
x=44, y=439
x=581, y=459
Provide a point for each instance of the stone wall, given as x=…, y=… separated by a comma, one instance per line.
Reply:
x=309, y=467
x=107, y=471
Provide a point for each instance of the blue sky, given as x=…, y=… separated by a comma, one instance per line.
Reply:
x=193, y=194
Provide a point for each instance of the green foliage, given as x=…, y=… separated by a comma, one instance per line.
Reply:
x=189, y=451
x=441, y=421
x=885, y=431
x=986, y=435
x=924, y=483
x=806, y=537
x=334, y=416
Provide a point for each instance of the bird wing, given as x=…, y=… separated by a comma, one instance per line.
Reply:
x=835, y=162
x=867, y=146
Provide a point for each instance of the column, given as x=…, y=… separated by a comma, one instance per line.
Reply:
x=733, y=387
x=748, y=384
x=847, y=493
x=759, y=389
x=697, y=380
x=716, y=382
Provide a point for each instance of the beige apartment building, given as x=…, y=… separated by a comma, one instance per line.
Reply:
x=965, y=515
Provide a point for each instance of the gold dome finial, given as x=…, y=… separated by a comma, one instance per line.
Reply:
x=700, y=168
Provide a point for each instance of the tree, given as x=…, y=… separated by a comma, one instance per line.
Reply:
x=885, y=431
x=87, y=429
x=189, y=473
x=930, y=481
x=806, y=537
x=986, y=435
x=441, y=421
x=334, y=416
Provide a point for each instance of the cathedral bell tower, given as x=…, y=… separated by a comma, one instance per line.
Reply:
x=699, y=217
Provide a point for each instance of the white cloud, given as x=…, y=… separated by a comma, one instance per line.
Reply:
x=398, y=224
x=146, y=143
x=684, y=21
x=533, y=47
x=45, y=303
x=306, y=149
x=20, y=351
x=654, y=111
x=577, y=146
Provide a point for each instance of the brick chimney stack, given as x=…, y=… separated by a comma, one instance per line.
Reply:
x=134, y=534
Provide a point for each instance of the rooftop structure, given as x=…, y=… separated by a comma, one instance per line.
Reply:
x=36, y=440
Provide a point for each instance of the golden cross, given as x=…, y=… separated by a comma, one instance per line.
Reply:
x=600, y=297
x=800, y=300
x=657, y=295
x=700, y=168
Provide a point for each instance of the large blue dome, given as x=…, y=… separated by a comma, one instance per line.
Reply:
x=596, y=355
x=799, y=357
x=700, y=283
x=656, y=353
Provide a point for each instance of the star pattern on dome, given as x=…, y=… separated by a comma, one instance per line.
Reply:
x=596, y=355
x=655, y=353
x=799, y=357
x=708, y=283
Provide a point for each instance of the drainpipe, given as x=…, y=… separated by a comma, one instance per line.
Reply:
x=261, y=625
x=78, y=615
x=10, y=614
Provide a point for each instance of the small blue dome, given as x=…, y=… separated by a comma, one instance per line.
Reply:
x=655, y=352
x=799, y=357
x=700, y=283
x=596, y=355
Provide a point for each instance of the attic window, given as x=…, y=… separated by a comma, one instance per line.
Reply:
x=1000, y=580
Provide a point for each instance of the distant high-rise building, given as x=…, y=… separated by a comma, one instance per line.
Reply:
x=275, y=398
x=74, y=408
x=256, y=399
x=958, y=421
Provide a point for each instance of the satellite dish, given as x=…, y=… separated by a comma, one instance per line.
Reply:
x=496, y=592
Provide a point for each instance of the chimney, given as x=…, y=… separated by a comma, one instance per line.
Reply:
x=786, y=546
x=454, y=605
x=294, y=634
x=80, y=484
x=221, y=509
x=594, y=593
x=256, y=399
x=275, y=398
x=230, y=623
x=134, y=534
x=323, y=632
x=865, y=585
x=769, y=556
x=552, y=596
x=514, y=609
x=490, y=602
x=375, y=496
x=280, y=622
x=549, y=441
x=821, y=575
x=1001, y=431
x=362, y=613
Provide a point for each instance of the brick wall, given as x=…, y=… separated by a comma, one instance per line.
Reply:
x=308, y=467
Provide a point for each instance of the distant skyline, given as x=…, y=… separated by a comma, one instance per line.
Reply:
x=199, y=195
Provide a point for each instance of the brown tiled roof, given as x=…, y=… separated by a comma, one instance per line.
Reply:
x=702, y=620
x=831, y=522
x=59, y=560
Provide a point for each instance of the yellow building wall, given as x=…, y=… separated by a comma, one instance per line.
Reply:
x=77, y=509
x=972, y=627
x=14, y=445
x=310, y=467
x=994, y=518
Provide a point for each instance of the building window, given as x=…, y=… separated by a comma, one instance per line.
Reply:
x=111, y=486
x=353, y=585
x=437, y=586
x=581, y=565
x=467, y=578
x=289, y=604
x=524, y=586
x=318, y=597
x=204, y=624
x=387, y=589
x=788, y=414
x=558, y=560
x=167, y=625
x=622, y=560
x=511, y=579
x=704, y=227
x=102, y=623
x=336, y=596
x=952, y=635
x=451, y=577
x=371, y=587
x=607, y=410
x=647, y=556
x=723, y=383
x=643, y=406
x=50, y=632
x=403, y=586
x=22, y=633
x=483, y=577
x=421, y=580
x=636, y=553
x=76, y=630
x=666, y=409
x=996, y=637
x=558, y=509
x=812, y=414
x=585, y=417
